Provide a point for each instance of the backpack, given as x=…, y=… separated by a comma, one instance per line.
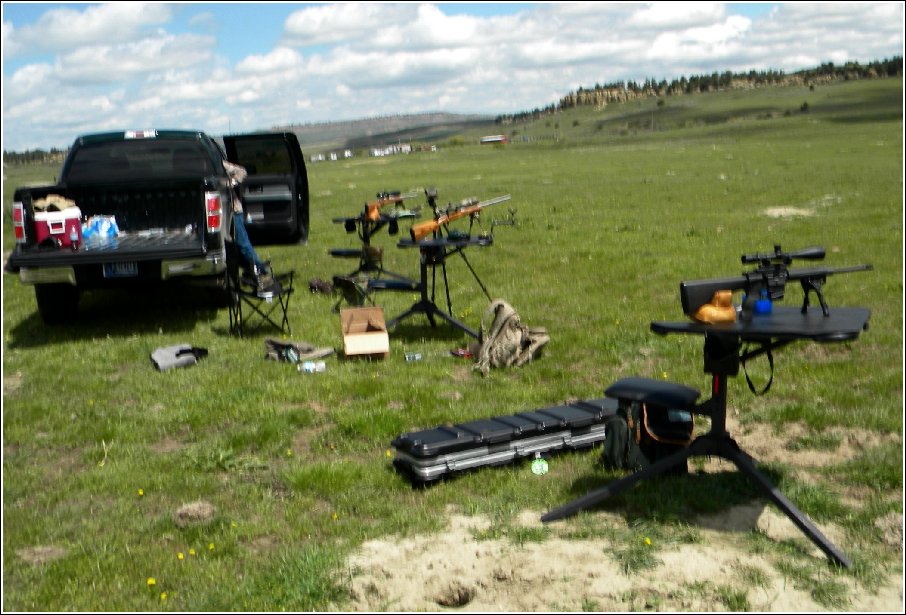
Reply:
x=506, y=342
x=653, y=420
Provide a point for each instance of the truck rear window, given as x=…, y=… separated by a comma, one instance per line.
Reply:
x=137, y=160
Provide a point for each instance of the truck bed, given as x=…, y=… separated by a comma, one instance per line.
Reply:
x=156, y=221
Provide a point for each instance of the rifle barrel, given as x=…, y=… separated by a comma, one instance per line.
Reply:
x=816, y=272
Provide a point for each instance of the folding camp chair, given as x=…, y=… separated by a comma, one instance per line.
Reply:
x=251, y=309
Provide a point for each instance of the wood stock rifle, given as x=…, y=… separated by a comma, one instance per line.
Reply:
x=469, y=207
x=766, y=282
x=373, y=208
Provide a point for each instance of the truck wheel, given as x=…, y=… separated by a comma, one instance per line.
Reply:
x=57, y=303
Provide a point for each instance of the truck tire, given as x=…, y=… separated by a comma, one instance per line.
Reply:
x=57, y=303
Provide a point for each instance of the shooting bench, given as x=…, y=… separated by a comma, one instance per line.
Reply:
x=723, y=354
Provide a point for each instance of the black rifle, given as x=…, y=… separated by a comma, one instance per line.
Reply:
x=768, y=281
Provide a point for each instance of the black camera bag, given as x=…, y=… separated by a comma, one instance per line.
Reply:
x=654, y=420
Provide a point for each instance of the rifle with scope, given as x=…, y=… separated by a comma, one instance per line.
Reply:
x=767, y=282
x=373, y=208
x=469, y=207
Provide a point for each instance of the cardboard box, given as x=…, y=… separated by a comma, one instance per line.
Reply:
x=365, y=332
x=63, y=226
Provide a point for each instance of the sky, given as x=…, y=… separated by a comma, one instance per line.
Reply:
x=76, y=68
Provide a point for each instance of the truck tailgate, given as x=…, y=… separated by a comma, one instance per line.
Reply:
x=126, y=247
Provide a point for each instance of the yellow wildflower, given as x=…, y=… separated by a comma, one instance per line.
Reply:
x=152, y=581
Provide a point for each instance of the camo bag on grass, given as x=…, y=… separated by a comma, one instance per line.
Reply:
x=507, y=341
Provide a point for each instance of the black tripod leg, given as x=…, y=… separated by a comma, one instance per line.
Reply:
x=475, y=275
x=599, y=495
x=447, y=287
x=747, y=465
x=453, y=321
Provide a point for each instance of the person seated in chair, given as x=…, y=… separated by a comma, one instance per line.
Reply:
x=257, y=268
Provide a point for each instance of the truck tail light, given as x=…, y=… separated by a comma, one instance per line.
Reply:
x=213, y=211
x=19, y=222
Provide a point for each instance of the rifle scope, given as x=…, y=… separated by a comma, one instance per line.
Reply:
x=813, y=253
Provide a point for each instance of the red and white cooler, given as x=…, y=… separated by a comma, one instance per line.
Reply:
x=64, y=226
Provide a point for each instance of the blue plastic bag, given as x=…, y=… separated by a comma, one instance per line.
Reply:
x=99, y=228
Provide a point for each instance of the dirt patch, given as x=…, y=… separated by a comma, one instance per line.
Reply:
x=194, y=513
x=41, y=554
x=788, y=212
x=11, y=382
x=305, y=439
x=763, y=442
x=454, y=570
x=167, y=445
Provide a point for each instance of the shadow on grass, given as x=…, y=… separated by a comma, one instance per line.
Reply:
x=677, y=497
x=417, y=327
x=169, y=308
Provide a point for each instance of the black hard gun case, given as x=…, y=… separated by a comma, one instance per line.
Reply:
x=430, y=454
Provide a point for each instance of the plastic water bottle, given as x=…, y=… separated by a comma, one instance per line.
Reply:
x=312, y=367
x=413, y=356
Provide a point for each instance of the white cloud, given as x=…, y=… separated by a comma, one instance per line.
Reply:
x=280, y=59
x=88, y=66
x=333, y=23
x=676, y=14
x=115, y=63
x=65, y=29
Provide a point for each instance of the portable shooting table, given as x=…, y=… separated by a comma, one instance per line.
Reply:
x=723, y=354
x=433, y=253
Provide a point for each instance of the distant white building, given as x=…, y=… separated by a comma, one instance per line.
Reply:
x=390, y=150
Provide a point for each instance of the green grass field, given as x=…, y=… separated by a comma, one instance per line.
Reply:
x=614, y=208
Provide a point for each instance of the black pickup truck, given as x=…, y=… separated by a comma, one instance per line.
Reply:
x=167, y=195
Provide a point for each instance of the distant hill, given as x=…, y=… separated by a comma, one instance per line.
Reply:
x=379, y=131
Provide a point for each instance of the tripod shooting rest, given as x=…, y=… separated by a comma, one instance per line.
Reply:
x=357, y=286
x=723, y=354
x=434, y=253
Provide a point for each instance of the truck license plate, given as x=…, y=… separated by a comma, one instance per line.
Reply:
x=121, y=270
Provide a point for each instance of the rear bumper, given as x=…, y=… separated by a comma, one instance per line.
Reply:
x=212, y=264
